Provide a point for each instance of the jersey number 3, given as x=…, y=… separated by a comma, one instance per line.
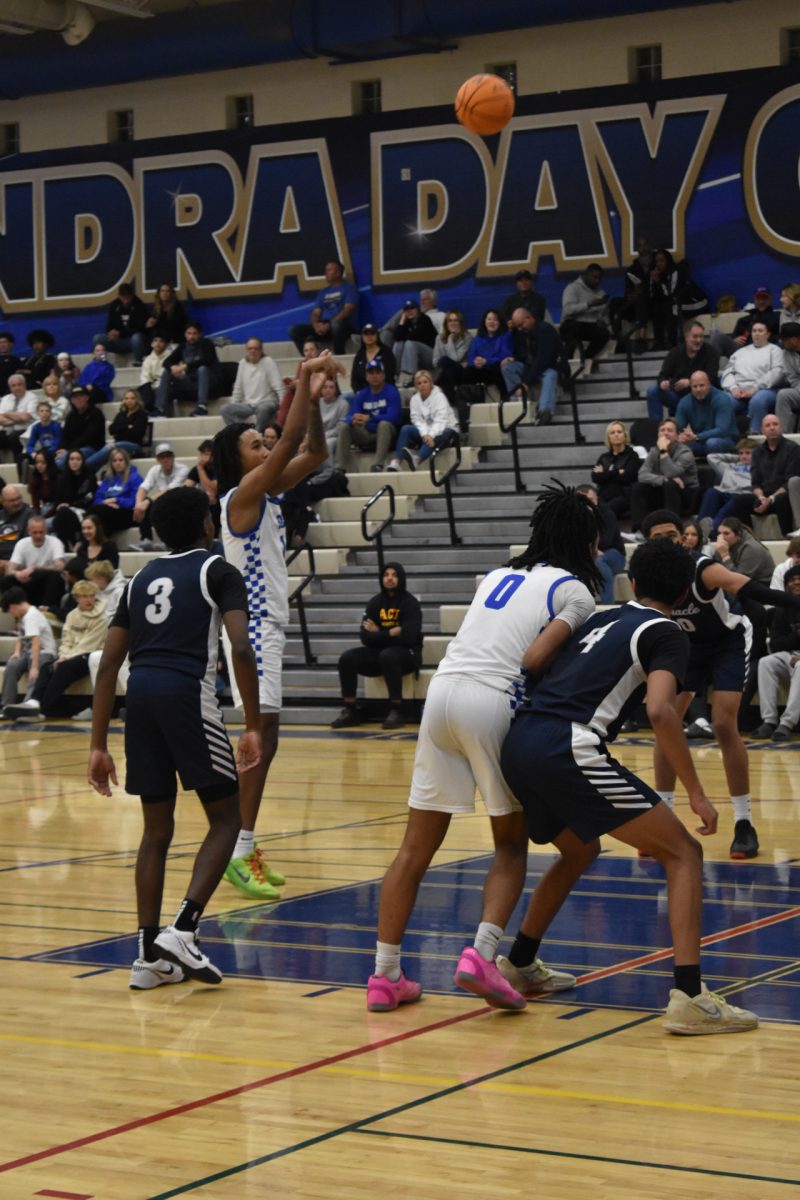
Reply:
x=161, y=607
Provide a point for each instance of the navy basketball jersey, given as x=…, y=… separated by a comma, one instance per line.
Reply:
x=707, y=614
x=172, y=609
x=602, y=673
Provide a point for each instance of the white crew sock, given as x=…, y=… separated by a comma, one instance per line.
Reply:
x=387, y=960
x=244, y=843
x=741, y=807
x=487, y=940
x=668, y=798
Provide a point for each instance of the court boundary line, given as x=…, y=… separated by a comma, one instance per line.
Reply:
x=599, y=1158
x=357, y=1051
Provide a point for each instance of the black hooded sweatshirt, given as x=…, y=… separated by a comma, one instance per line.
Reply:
x=390, y=609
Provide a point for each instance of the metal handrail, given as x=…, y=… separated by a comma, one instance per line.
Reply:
x=624, y=343
x=511, y=428
x=444, y=481
x=296, y=597
x=377, y=534
x=574, y=376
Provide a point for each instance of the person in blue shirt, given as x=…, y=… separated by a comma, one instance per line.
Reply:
x=45, y=433
x=375, y=417
x=335, y=313
x=706, y=417
x=97, y=376
x=115, y=498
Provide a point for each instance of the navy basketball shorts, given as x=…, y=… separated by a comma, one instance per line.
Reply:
x=564, y=778
x=723, y=663
x=173, y=726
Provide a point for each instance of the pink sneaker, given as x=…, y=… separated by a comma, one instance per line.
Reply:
x=482, y=978
x=384, y=995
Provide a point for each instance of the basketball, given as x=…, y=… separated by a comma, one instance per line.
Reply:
x=484, y=104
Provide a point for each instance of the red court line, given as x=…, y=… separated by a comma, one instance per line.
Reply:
x=64, y=1195
x=204, y=1101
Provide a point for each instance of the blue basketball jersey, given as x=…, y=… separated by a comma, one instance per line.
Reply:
x=602, y=673
x=707, y=614
x=172, y=609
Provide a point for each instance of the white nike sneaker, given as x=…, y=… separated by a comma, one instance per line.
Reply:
x=146, y=975
x=180, y=947
x=706, y=1013
x=535, y=979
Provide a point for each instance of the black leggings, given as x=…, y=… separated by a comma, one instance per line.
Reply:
x=392, y=662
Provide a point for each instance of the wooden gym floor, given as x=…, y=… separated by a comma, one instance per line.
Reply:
x=280, y=1083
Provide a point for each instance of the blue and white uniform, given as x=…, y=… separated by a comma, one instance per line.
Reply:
x=260, y=555
x=720, y=636
x=173, y=610
x=480, y=680
x=555, y=758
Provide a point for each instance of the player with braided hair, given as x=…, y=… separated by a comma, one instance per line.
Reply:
x=521, y=616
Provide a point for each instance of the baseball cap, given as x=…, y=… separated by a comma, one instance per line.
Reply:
x=369, y=328
x=790, y=329
x=374, y=364
x=79, y=391
x=163, y=448
x=763, y=290
x=411, y=304
x=792, y=573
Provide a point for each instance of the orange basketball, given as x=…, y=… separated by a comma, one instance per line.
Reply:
x=484, y=104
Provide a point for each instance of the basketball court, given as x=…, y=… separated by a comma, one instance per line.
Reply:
x=280, y=1081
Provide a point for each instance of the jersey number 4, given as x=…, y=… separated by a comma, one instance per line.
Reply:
x=593, y=637
x=161, y=607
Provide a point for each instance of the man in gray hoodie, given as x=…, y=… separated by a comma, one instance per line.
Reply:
x=584, y=313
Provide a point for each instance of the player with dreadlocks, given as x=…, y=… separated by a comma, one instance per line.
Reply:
x=521, y=616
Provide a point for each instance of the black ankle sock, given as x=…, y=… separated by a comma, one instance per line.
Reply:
x=189, y=914
x=147, y=935
x=687, y=979
x=524, y=950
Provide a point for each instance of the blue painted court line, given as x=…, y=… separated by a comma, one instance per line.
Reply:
x=88, y=974
x=576, y=1012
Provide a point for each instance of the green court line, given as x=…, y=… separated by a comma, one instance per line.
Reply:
x=597, y=1158
x=358, y=1126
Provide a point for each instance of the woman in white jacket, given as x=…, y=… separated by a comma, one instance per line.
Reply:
x=433, y=423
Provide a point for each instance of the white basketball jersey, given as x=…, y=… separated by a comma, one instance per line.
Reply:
x=260, y=556
x=510, y=609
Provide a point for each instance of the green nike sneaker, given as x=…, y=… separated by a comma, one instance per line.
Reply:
x=261, y=868
x=240, y=874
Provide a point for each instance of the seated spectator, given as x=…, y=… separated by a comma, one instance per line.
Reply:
x=450, y=351
x=333, y=409
x=693, y=537
x=584, y=313
x=84, y=427
x=428, y=300
x=753, y=375
x=414, y=340
x=706, y=418
x=126, y=324
x=778, y=669
x=775, y=461
x=52, y=392
x=790, y=307
x=760, y=310
x=45, y=433
x=37, y=365
x=491, y=346
x=190, y=372
x=538, y=358
x=10, y=363
x=162, y=477
x=17, y=411
x=97, y=377
x=391, y=646
x=297, y=502
x=14, y=517
x=116, y=494
x=667, y=478
x=433, y=424
x=128, y=429
x=35, y=646
x=204, y=476
x=610, y=554
x=310, y=350
x=36, y=564
x=334, y=315
x=94, y=545
x=42, y=484
x=792, y=560
x=257, y=389
x=67, y=374
x=75, y=491
x=787, y=402
x=84, y=631
x=524, y=297
x=152, y=369
x=373, y=421
x=371, y=348
x=677, y=368
x=616, y=470
x=109, y=580
x=271, y=435
x=733, y=479
x=168, y=319
x=738, y=550
x=73, y=571
x=662, y=299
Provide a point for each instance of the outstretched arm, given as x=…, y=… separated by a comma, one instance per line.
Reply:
x=315, y=449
